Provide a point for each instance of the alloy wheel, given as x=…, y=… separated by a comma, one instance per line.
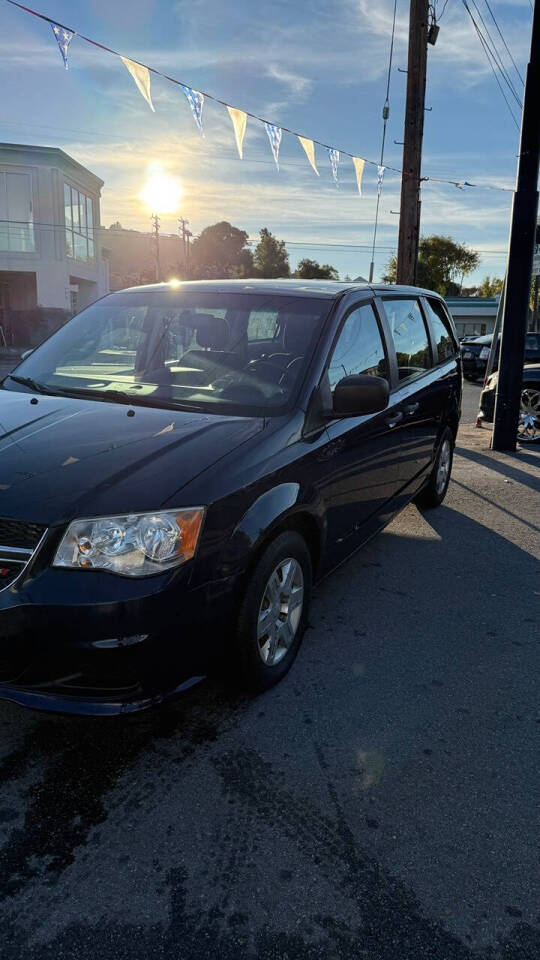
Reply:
x=443, y=466
x=529, y=416
x=280, y=611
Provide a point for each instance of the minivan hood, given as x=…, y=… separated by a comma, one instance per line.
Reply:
x=63, y=457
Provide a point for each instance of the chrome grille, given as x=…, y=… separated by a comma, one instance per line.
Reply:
x=18, y=542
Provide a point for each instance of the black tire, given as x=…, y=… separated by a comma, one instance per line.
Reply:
x=433, y=494
x=255, y=674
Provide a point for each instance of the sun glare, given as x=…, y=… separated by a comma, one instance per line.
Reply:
x=161, y=193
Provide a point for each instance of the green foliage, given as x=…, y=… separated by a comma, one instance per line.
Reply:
x=220, y=253
x=489, y=287
x=271, y=258
x=441, y=262
x=311, y=270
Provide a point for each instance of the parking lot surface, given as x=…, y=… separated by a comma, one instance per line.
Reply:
x=381, y=803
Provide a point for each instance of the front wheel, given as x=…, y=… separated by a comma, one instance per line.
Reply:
x=274, y=611
x=529, y=415
x=433, y=494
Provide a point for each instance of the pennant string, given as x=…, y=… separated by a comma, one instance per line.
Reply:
x=209, y=96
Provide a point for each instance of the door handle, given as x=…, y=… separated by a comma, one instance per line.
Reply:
x=393, y=421
x=411, y=408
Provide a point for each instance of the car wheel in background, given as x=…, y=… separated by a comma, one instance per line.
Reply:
x=529, y=415
x=433, y=494
x=274, y=611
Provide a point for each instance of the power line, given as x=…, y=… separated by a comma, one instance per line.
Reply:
x=497, y=57
x=488, y=5
x=385, y=114
x=319, y=244
x=487, y=52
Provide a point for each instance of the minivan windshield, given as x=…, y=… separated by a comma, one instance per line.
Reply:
x=181, y=348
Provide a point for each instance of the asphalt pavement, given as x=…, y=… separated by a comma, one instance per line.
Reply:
x=381, y=803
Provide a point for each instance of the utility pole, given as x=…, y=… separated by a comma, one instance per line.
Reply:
x=409, y=220
x=155, y=234
x=520, y=256
x=183, y=231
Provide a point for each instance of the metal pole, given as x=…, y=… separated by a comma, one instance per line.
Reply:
x=409, y=220
x=496, y=331
x=520, y=256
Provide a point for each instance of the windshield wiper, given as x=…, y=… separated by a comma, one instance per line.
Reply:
x=33, y=384
x=122, y=396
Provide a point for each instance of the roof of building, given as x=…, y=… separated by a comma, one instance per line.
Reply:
x=49, y=156
x=472, y=306
x=327, y=289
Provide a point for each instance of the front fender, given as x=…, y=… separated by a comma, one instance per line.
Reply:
x=268, y=512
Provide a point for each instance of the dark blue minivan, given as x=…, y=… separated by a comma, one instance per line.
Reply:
x=181, y=461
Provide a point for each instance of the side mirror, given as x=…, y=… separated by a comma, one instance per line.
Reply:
x=360, y=394
x=27, y=353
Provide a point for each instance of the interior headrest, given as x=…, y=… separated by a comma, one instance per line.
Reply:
x=212, y=332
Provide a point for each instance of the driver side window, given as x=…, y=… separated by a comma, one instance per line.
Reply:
x=359, y=349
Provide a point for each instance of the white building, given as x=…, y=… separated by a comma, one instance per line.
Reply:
x=473, y=316
x=49, y=225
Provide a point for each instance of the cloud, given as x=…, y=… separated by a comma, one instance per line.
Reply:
x=299, y=86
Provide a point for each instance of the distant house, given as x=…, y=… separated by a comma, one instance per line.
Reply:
x=51, y=264
x=473, y=315
x=132, y=256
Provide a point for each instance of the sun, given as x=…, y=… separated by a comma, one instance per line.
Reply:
x=161, y=193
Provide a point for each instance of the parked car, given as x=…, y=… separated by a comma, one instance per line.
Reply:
x=180, y=462
x=475, y=353
x=529, y=412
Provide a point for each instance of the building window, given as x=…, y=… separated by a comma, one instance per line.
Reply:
x=16, y=214
x=79, y=216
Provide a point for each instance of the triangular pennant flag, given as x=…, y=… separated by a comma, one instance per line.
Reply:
x=64, y=38
x=359, y=165
x=141, y=77
x=196, y=102
x=309, y=148
x=274, y=136
x=380, y=177
x=334, y=160
x=239, y=120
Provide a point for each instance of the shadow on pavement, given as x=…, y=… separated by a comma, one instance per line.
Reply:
x=380, y=803
x=506, y=469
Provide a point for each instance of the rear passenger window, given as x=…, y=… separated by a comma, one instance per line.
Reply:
x=439, y=324
x=359, y=348
x=410, y=337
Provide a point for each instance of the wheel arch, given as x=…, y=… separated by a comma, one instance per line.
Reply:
x=282, y=508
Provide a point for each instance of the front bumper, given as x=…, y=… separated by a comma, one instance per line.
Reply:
x=97, y=644
x=487, y=404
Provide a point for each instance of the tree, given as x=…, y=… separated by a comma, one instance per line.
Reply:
x=271, y=257
x=489, y=287
x=311, y=270
x=220, y=253
x=441, y=261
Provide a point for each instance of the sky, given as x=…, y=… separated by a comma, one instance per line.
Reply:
x=318, y=68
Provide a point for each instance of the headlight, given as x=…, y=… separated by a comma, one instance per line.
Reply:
x=135, y=545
